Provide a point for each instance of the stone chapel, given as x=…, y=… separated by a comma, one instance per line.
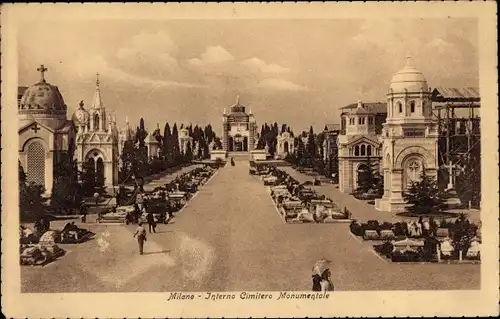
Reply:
x=46, y=136
x=97, y=140
x=410, y=136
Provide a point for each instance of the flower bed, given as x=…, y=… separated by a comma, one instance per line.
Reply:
x=428, y=252
x=441, y=229
x=445, y=241
x=300, y=204
x=163, y=201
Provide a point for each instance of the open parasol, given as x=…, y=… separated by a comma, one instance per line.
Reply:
x=320, y=266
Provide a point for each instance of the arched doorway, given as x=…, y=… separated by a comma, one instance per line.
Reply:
x=95, y=168
x=36, y=164
x=285, y=147
x=99, y=176
x=238, y=143
x=412, y=171
x=245, y=144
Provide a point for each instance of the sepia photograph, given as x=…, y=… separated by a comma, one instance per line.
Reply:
x=251, y=159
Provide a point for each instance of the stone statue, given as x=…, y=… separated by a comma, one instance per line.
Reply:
x=267, y=148
x=212, y=145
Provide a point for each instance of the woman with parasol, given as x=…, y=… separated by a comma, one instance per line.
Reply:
x=321, y=276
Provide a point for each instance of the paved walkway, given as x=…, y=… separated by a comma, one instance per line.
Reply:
x=230, y=237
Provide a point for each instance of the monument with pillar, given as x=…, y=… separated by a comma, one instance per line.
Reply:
x=239, y=129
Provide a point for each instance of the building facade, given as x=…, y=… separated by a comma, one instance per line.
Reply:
x=359, y=146
x=410, y=136
x=239, y=129
x=46, y=136
x=185, y=140
x=286, y=145
x=97, y=146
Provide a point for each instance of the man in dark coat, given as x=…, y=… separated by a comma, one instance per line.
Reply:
x=83, y=212
x=151, y=222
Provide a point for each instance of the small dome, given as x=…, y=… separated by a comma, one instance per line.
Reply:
x=408, y=79
x=81, y=116
x=42, y=98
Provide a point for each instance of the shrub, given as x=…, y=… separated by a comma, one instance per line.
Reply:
x=386, y=226
x=407, y=256
x=400, y=229
x=385, y=249
x=356, y=228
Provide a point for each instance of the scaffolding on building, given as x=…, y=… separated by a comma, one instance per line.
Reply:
x=459, y=149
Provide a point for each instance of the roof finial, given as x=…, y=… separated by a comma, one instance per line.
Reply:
x=408, y=59
x=360, y=104
x=97, y=102
x=42, y=69
x=126, y=119
x=237, y=99
x=81, y=104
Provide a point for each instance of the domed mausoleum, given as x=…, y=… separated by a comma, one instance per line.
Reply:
x=45, y=134
x=410, y=136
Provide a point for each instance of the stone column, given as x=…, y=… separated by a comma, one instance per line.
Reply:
x=49, y=172
x=108, y=173
x=225, y=128
x=251, y=137
x=387, y=183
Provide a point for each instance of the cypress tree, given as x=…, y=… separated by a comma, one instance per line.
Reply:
x=175, y=144
x=423, y=196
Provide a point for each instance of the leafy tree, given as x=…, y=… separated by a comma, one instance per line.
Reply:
x=468, y=183
x=176, y=152
x=370, y=179
x=141, y=133
x=218, y=142
x=65, y=190
x=189, y=153
x=209, y=134
x=157, y=134
x=30, y=198
x=166, y=145
x=88, y=178
x=320, y=138
x=300, y=154
x=311, y=143
x=423, y=196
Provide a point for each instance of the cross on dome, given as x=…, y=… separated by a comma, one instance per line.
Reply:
x=97, y=79
x=237, y=99
x=408, y=60
x=42, y=69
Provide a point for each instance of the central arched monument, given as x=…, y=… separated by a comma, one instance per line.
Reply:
x=238, y=129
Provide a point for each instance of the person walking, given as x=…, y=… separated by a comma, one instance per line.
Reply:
x=140, y=232
x=321, y=276
x=151, y=222
x=83, y=212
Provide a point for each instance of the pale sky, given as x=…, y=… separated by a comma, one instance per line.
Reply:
x=298, y=72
